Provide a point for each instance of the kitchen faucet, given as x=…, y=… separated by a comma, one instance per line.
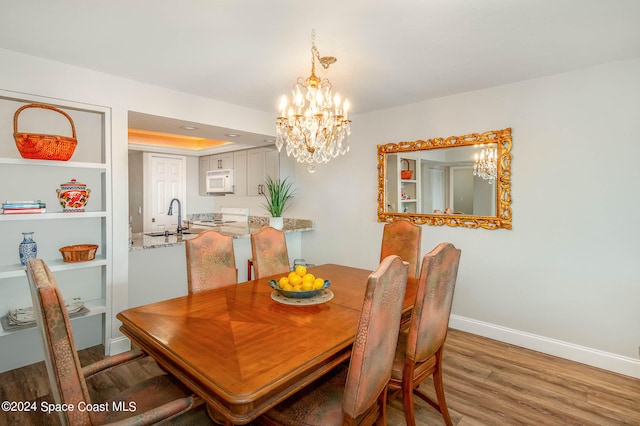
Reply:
x=170, y=213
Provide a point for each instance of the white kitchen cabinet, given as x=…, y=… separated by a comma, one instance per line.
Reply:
x=240, y=173
x=261, y=162
x=250, y=166
x=272, y=163
x=24, y=179
x=221, y=161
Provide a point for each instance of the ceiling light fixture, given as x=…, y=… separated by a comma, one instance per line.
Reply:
x=315, y=128
x=485, y=163
x=232, y=135
x=188, y=127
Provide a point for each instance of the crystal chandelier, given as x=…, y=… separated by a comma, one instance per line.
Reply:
x=315, y=127
x=485, y=163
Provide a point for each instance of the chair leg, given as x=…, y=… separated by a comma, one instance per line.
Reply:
x=437, y=382
x=382, y=402
x=407, y=401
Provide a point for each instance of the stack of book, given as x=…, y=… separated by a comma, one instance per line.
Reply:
x=22, y=207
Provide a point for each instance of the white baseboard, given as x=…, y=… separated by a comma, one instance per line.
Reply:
x=594, y=357
x=119, y=345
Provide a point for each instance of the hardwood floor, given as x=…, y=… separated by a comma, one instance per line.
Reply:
x=486, y=383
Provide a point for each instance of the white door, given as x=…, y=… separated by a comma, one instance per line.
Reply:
x=165, y=179
x=434, y=193
x=461, y=189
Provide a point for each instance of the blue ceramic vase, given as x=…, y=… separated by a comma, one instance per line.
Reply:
x=28, y=248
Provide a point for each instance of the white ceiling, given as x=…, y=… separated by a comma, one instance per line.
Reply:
x=390, y=53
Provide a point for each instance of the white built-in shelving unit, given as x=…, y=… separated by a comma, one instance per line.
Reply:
x=403, y=195
x=25, y=179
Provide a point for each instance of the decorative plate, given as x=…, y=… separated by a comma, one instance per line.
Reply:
x=298, y=294
x=322, y=297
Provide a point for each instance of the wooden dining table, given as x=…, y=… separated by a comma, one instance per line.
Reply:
x=243, y=352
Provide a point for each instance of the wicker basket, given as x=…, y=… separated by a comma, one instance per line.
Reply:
x=406, y=174
x=79, y=252
x=44, y=147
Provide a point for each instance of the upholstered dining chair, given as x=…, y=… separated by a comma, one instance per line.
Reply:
x=419, y=351
x=356, y=394
x=402, y=238
x=269, y=252
x=157, y=398
x=210, y=261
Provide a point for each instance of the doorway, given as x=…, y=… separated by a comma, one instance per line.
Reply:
x=461, y=189
x=164, y=178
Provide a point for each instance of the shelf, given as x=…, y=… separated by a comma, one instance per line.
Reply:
x=52, y=163
x=95, y=307
x=49, y=216
x=398, y=188
x=17, y=270
x=93, y=164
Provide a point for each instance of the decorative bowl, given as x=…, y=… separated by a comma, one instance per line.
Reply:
x=298, y=294
x=79, y=252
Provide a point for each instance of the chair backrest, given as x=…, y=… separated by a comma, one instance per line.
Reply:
x=403, y=239
x=269, y=251
x=377, y=336
x=210, y=261
x=432, y=307
x=63, y=366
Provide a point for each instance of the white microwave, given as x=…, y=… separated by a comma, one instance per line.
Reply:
x=220, y=181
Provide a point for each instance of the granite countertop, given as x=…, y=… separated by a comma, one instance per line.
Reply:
x=140, y=241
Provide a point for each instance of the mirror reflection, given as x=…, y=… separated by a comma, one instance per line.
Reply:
x=458, y=181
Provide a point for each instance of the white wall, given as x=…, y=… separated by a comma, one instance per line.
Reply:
x=566, y=279
x=28, y=74
x=136, y=194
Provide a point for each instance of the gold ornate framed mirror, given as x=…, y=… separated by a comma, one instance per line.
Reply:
x=457, y=181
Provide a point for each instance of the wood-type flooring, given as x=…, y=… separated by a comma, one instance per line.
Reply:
x=486, y=383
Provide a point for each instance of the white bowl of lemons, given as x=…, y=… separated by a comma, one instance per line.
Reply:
x=299, y=284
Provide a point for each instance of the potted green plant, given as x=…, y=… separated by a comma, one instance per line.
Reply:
x=277, y=196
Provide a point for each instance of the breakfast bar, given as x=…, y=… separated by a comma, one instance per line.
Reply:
x=157, y=264
x=237, y=230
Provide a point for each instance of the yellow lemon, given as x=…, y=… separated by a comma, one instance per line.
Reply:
x=287, y=287
x=297, y=287
x=308, y=277
x=318, y=283
x=301, y=270
x=291, y=275
x=295, y=280
x=307, y=285
x=283, y=281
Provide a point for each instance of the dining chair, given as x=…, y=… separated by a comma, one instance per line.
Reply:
x=402, y=238
x=210, y=261
x=158, y=398
x=269, y=252
x=419, y=350
x=357, y=393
